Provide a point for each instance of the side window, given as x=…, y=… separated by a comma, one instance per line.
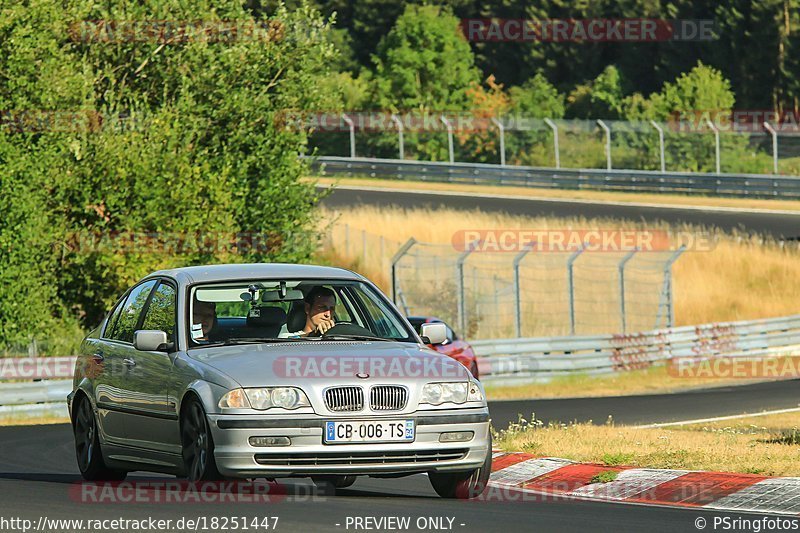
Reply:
x=161, y=311
x=112, y=319
x=131, y=309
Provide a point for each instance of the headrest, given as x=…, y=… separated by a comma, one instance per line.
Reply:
x=297, y=316
x=267, y=316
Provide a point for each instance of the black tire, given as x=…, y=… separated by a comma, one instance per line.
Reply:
x=464, y=485
x=87, y=445
x=197, y=444
x=339, y=482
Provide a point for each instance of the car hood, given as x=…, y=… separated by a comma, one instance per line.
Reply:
x=330, y=362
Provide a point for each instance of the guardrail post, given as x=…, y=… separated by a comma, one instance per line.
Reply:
x=352, y=128
x=395, y=259
x=555, y=140
x=571, y=288
x=621, y=267
x=517, y=298
x=502, y=131
x=462, y=306
x=449, y=137
x=608, y=142
x=399, y=135
x=774, y=134
x=716, y=142
x=660, y=145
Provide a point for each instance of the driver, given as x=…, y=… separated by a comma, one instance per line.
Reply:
x=320, y=305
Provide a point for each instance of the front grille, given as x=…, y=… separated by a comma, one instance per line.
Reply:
x=359, y=458
x=342, y=399
x=388, y=398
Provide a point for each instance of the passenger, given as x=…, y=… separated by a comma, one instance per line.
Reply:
x=204, y=320
x=320, y=304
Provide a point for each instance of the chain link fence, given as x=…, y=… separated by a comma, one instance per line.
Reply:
x=699, y=142
x=527, y=294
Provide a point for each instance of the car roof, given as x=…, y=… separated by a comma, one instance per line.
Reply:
x=250, y=271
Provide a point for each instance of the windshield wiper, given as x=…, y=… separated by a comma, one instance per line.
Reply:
x=251, y=340
x=346, y=337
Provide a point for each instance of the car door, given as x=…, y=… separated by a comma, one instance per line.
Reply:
x=109, y=355
x=151, y=422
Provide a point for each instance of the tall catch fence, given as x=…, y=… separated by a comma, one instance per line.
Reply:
x=526, y=294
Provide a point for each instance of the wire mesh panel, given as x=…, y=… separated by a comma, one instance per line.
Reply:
x=481, y=295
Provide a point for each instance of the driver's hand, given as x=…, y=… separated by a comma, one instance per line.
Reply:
x=324, y=326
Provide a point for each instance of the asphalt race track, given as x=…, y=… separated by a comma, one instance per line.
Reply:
x=778, y=225
x=655, y=408
x=38, y=478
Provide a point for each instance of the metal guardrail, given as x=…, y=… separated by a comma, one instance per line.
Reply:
x=538, y=360
x=737, y=185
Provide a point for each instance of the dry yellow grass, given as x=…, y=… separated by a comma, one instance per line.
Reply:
x=649, y=381
x=527, y=192
x=741, y=278
x=766, y=446
x=36, y=421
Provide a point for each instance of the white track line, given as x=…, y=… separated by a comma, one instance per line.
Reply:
x=565, y=200
x=719, y=418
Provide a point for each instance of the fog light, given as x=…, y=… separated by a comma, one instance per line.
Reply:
x=270, y=441
x=456, y=436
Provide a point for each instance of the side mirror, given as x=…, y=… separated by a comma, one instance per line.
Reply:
x=151, y=340
x=434, y=333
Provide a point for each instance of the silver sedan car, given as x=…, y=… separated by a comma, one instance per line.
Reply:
x=269, y=371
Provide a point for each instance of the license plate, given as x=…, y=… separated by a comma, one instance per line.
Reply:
x=369, y=431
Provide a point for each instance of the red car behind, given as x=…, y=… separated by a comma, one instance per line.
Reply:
x=454, y=347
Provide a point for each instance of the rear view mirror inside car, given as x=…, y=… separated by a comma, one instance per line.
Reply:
x=275, y=295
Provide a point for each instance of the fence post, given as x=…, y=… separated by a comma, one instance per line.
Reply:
x=716, y=142
x=517, y=298
x=381, y=249
x=364, y=245
x=462, y=306
x=449, y=137
x=352, y=128
x=665, y=301
x=399, y=135
x=621, y=267
x=608, y=142
x=660, y=144
x=571, y=289
x=502, y=131
x=555, y=140
x=395, y=259
x=774, y=134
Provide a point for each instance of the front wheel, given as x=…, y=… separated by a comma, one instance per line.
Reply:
x=197, y=444
x=464, y=485
x=87, y=446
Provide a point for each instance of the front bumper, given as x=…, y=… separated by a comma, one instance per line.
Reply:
x=308, y=455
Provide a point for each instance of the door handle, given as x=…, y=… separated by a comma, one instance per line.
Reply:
x=98, y=357
x=129, y=362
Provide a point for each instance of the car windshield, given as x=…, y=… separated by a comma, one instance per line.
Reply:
x=290, y=310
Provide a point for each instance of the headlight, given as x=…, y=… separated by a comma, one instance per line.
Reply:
x=265, y=398
x=439, y=393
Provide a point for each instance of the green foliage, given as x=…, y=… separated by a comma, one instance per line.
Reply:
x=202, y=152
x=424, y=65
x=603, y=98
x=537, y=98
